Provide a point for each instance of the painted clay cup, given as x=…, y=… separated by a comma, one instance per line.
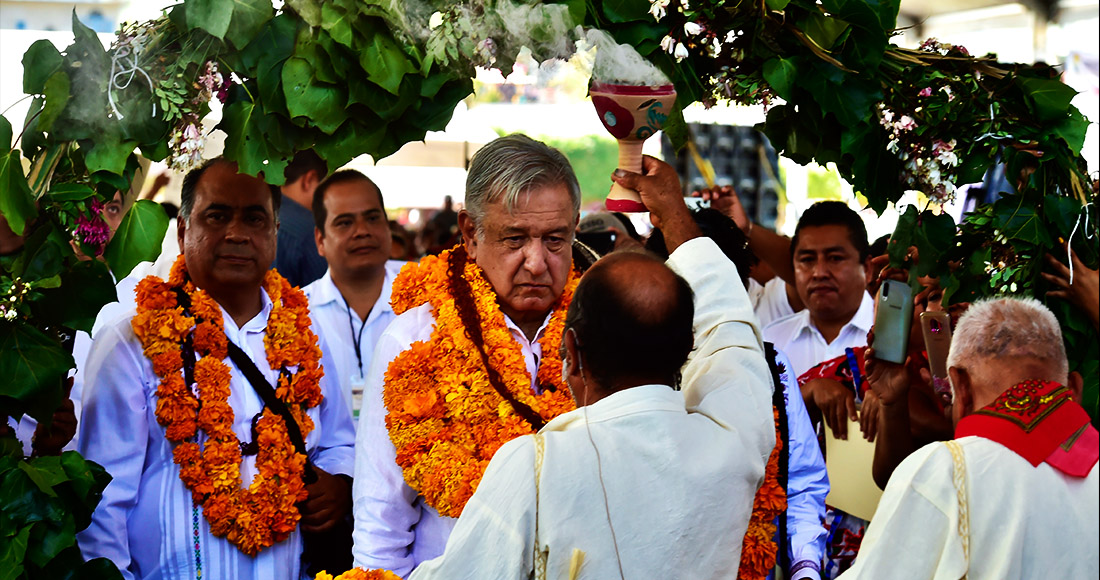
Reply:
x=631, y=114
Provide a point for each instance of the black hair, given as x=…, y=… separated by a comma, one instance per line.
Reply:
x=623, y=335
x=834, y=213
x=878, y=248
x=725, y=233
x=628, y=226
x=320, y=214
x=303, y=162
x=191, y=182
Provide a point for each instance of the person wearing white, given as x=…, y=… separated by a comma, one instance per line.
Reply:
x=522, y=206
x=1016, y=494
x=646, y=482
x=147, y=522
x=769, y=300
x=799, y=338
x=350, y=304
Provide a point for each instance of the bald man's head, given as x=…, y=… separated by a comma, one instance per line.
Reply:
x=632, y=317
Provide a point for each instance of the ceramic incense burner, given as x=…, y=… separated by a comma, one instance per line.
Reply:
x=631, y=113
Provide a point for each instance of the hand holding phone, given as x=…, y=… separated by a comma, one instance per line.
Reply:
x=893, y=319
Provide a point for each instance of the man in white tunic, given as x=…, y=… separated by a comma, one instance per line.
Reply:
x=1016, y=493
x=522, y=203
x=350, y=304
x=641, y=481
x=148, y=522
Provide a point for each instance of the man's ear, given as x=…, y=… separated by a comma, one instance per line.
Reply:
x=868, y=271
x=962, y=391
x=468, y=228
x=181, y=227
x=319, y=239
x=310, y=181
x=1076, y=384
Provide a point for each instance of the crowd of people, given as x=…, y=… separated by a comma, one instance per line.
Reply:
x=522, y=404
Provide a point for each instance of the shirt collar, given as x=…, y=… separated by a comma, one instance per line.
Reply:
x=862, y=320
x=255, y=325
x=642, y=398
x=325, y=291
x=518, y=332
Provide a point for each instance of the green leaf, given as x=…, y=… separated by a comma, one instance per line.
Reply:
x=16, y=201
x=69, y=192
x=349, y=141
x=934, y=237
x=57, y=97
x=777, y=4
x=264, y=58
x=78, y=311
x=213, y=16
x=109, y=152
x=12, y=552
x=6, y=134
x=138, y=238
x=1072, y=130
x=902, y=238
x=251, y=139
x=321, y=104
x=45, y=472
x=42, y=258
x=781, y=74
x=385, y=62
x=40, y=62
x=873, y=15
x=1018, y=219
x=309, y=10
x=338, y=23
x=33, y=366
x=619, y=11
x=249, y=17
x=98, y=569
x=822, y=29
x=1062, y=212
x=1049, y=98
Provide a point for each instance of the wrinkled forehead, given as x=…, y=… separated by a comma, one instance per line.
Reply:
x=223, y=187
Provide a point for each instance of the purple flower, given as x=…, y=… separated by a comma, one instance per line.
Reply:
x=925, y=92
x=91, y=230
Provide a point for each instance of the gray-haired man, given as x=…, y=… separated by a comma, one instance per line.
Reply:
x=450, y=356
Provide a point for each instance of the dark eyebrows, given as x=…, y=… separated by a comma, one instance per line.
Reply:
x=232, y=208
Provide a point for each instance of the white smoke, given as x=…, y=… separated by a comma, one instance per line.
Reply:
x=614, y=63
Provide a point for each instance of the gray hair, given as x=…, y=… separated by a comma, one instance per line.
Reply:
x=1007, y=328
x=511, y=166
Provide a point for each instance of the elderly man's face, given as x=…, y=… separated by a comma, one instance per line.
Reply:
x=526, y=254
x=229, y=240
x=829, y=275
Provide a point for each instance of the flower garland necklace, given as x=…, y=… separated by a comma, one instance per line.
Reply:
x=759, y=550
x=444, y=415
x=171, y=334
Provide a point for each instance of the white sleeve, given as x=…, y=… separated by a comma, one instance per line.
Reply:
x=114, y=432
x=386, y=511
x=726, y=377
x=334, y=451
x=495, y=537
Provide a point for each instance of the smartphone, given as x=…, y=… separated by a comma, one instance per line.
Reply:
x=893, y=319
x=936, y=328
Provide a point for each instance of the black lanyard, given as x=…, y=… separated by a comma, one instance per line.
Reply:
x=356, y=338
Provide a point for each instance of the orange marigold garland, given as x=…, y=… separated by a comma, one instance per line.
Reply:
x=759, y=550
x=264, y=513
x=444, y=417
x=359, y=574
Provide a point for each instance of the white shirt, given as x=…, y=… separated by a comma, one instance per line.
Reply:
x=144, y=521
x=797, y=336
x=394, y=529
x=680, y=469
x=1025, y=522
x=769, y=301
x=343, y=329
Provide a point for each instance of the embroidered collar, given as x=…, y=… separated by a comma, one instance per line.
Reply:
x=1040, y=422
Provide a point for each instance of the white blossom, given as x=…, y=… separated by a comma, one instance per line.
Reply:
x=657, y=8
x=692, y=28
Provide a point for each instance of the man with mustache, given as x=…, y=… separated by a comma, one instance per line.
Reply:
x=350, y=304
x=209, y=477
x=471, y=361
x=832, y=269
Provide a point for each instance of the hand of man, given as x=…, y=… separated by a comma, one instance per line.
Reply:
x=329, y=501
x=835, y=401
x=725, y=200
x=1083, y=291
x=659, y=187
x=868, y=416
x=62, y=428
x=889, y=381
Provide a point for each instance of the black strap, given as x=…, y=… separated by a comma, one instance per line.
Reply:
x=267, y=393
x=784, y=453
